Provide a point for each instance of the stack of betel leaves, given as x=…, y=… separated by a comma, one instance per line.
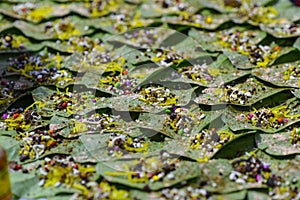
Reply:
x=137, y=99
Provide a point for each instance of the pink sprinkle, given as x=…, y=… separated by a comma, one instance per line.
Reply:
x=266, y=166
x=250, y=116
x=127, y=83
x=4, y=116
x=150, y=174
x=258, y=177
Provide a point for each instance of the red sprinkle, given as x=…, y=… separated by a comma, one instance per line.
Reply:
x=250, y=116
x=52, y=163
x=280, y=120
x=16, y=115
x=125, y=72
x=18, y=167
x=52, y=144
x=64, y=105
x=3, y=82
x=75, y=166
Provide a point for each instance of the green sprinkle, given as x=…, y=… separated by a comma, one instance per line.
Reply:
x=180, y=131
x=168, y=111
x=117, y=84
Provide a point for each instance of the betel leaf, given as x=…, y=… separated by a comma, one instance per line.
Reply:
x=275, y=118
x=141, y=38
x=31, y=189
x=65, y=104
x=68, y=27
x=137, y=102
x=231, y=6
x=283, y=75
x=214, y=74
x=238, y=145
x=11, y=145
x=256, y=194
x=153, y=10
x=231, y=196
x=297, y=44
x=213, y=41
x=282, y=29
x=72, y=147
x=200, y=146
x=285, y=168
x=90, y=9
x=296, y=92
x=287, y=10
x=242, y=61
x=187, y=190
x=278, y=144
x=5, y=24
x=117, y=172
x=180, y=121
x=38, y=12
x=100, y=147
x=205, y=19
x=244, y=93
x=4, y=132
x=216, y=173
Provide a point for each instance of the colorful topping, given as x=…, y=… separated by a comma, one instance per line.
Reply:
x=151, y=169
x=94, y=123
x=120, y=144
x=157, y=96
x=181, y=120
x=236, y=93
x=61, y=29
x=210, y=140
x=10, y=41
x=32, y=11
x=267, y=118
x=295, y=137
x=36, y=143
x=20, y=119
x=259, y=55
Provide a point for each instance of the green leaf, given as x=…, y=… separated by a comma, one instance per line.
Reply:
x=212, y=41
x=242, y=61
x=245, y=93
x=11, y=145
x=297, y=44
x=98, y=146
x=205, y=20
x=241, y=143
x=43, y=11
x=277, y=144
x=184, y=171
x=32, y=189
x=296, y=92
x=68, y=27
x=259, y=195
x=49, y=102
x=238, y=120
x=283, y=75
x=281, y=30
x=213, y=75
x=287, y=10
